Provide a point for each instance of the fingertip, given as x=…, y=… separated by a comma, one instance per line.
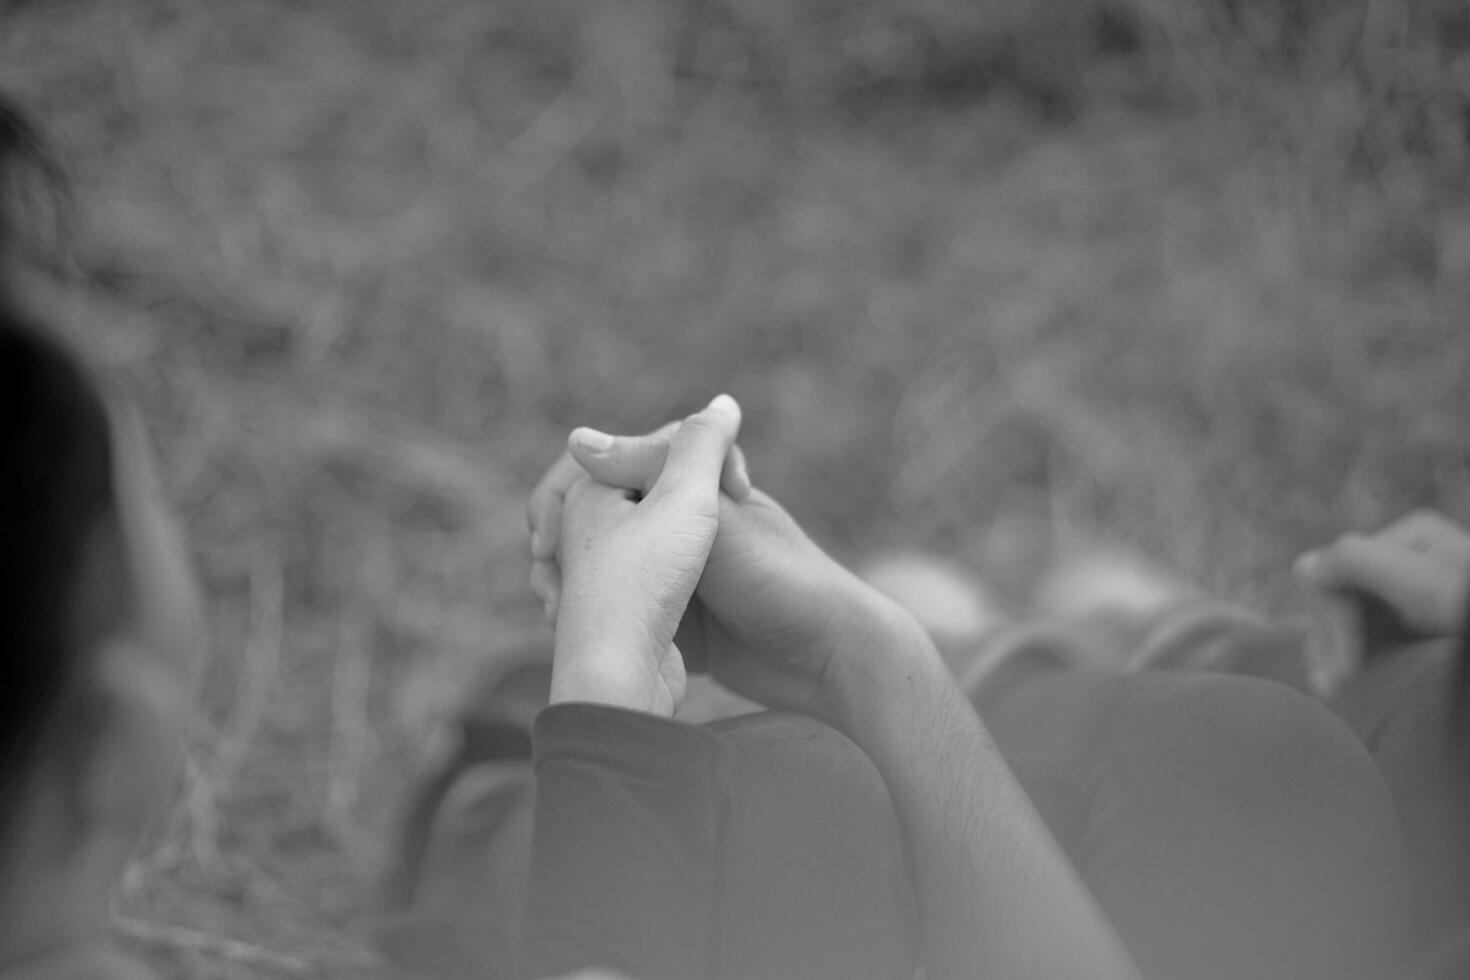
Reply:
x=701, y=454
x=1344, y=564
x=629, y=462
x=590, y=440
x=725, y=405
x=726, y=413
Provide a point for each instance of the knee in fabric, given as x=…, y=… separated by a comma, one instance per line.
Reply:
x=1271, y=749
x=1270, y=821
x=1403, y=708
x=815, y=879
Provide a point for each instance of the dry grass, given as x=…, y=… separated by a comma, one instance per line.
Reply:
x=989, y=278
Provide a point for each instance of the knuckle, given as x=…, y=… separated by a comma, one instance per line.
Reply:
x=673, y=486
x=698, y=509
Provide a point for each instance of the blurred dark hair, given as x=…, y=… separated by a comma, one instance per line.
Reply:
x=58, y=514
x=58, y=522
x=34, y=193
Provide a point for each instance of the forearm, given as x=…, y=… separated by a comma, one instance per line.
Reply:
x=998, y=896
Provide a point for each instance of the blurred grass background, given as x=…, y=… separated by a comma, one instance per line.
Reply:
x=994, y=278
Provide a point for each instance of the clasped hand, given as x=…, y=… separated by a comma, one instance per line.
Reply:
x=650, y=551
x=1418, y=566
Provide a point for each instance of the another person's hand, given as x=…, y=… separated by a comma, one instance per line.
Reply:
x=628, y=564
x=1418, y=566
x=772, y=613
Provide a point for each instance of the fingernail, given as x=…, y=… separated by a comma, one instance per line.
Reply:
x=592, y=440
x=726, y=404
x=535, y=542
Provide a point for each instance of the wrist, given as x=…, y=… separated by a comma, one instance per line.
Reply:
x=882, y=663
x=594, y=681
x=599, y=666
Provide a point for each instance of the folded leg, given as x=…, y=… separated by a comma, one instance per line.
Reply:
x=1401, y=706
x=762, y=846
x=1229, y=826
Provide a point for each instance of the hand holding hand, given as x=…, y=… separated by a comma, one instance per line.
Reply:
x=628, y=563
x=634, y=462
x=782, y=623
x=772, y=613
x=1418, y=567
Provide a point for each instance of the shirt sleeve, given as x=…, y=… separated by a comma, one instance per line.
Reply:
x=629, y=829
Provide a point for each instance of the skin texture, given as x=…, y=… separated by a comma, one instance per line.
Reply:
x=636, y=464
x=776, y=620
x=629, y=568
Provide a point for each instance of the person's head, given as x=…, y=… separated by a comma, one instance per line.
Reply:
x=99, y=628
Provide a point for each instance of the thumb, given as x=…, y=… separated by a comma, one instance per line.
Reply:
x=626, y=462
x=697, y=453
x=1350, y=562
x=635, y=462
x=1357, y=563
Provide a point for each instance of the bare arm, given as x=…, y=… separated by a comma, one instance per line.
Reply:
x=780, y=622
x=998, y=897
